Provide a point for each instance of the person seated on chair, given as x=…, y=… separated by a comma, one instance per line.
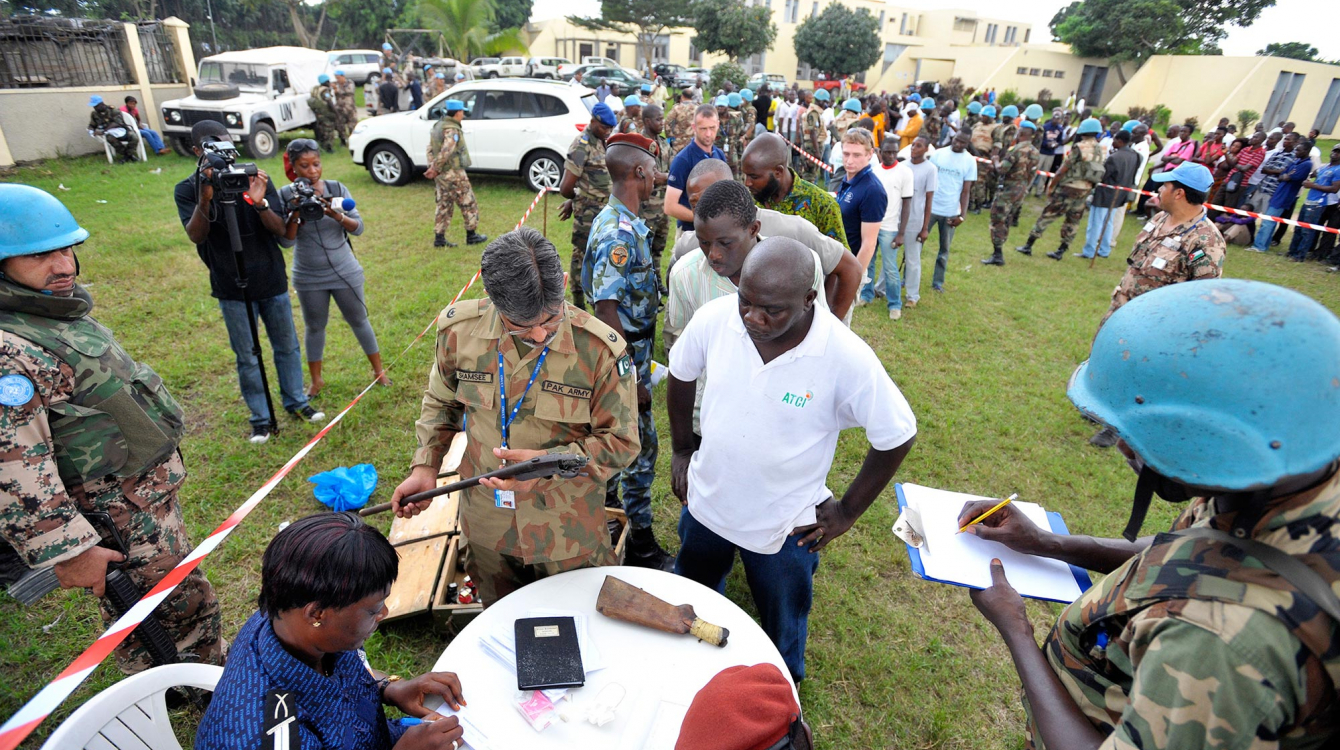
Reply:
x=150, y=136
x=297, y=666
x=108, y=124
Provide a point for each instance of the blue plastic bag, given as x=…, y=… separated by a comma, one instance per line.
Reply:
x=346, y=487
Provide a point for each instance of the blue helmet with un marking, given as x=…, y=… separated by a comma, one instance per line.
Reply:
x=32, y=221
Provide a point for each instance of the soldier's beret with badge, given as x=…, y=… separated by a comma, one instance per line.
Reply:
x=635, y=140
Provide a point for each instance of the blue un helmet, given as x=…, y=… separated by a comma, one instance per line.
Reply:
x=1033, y=112
x=927, y=104
x=1090, y=126
x=747, y=94
x=974, y=108
x=734, y=100
x=632, y=100
x=323, y=78
x=1010, y=111
x=722, y=101
x=32, y=221
x=1188, y=375
x=822, y=95
x=853, y=105
x=988, y=111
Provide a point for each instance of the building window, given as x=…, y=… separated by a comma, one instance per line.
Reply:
x=1060, y=74
x=695, y=56
x=881, y=22
x=1047, y=74
x=902, y=29
x=1026, y=33
x=612, y=52
x=585, y=49
x=660, y=49
x=1010, y=34
x=814, y=10
x=791, y=11
x=991, y=29
x=891, y=54
x=1034, y=71
x=1021, y=71
x=964, y=24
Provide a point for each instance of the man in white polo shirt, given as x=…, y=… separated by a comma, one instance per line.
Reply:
x=788, y=377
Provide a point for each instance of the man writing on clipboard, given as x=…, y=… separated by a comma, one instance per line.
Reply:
x=527, y=374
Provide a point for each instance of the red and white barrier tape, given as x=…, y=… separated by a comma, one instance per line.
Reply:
x=27, y=718
x=829, y=168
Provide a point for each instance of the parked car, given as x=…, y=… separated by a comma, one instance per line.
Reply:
x=775, y=82
x=506, y=67
x=479, y=65
x=690, y=77
x=545, y=67
x=668, y=71
x=517, y=126
x=358, y=64
x=255, y=93
x=565, y=71
x=627, y=81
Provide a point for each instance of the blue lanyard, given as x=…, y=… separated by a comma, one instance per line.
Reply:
x=503, y=416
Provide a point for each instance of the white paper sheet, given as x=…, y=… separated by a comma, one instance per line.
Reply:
x=966, y=559
x=665, y=726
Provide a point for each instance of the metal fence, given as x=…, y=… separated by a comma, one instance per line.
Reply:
x=59, y=52
x=160, y=56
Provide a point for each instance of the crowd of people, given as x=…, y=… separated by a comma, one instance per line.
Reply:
x=768, y=259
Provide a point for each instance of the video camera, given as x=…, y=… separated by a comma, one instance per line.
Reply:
x=229, y=178
x=310, y=207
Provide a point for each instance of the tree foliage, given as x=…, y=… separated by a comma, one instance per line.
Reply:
x=733, y=28
x=839, y=41
x=510, y=14
x=1134, y=30
x=1295, y=50
x=1246, y=119
x=643, y=19
x=727, y=71
x=466, y=25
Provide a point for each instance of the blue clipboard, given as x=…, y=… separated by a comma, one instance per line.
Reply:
x=1053, y=518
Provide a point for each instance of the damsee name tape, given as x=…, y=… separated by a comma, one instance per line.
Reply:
x=36, y=710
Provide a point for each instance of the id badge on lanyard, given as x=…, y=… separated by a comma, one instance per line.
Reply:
x=507, y=498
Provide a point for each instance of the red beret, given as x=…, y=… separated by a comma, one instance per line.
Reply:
x=636, y=140
x=741, y=708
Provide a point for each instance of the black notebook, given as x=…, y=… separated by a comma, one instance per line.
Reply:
x=547, y=654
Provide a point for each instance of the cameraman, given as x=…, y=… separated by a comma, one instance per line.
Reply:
x=324, y=266
x=267, y=283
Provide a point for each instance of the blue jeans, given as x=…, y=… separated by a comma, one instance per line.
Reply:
x=782, y=583
x=276, y=314
x=893, y=283
x=1265, y=229
x=942, y=259
x=152, y=138
x=1098, y=235
x=1304, y=239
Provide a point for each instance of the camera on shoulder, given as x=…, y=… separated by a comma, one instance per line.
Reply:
x=309, y=207
x=229, y=178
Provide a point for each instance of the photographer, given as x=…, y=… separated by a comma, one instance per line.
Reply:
x=266, y=284
x=324, y=266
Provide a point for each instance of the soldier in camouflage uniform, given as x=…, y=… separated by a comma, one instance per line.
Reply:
x=346, y=107
x=736, y=131
x=983, y=143
x=620, y=280
x=1079, y=173
x=725, y=135
x=630, y=119
x=84, y=428
x=586, y=185
x=653, y=210
x=750, y=117
x=1015, y=169
x=448, y=156
x=581, y=400
x=1202, y=637
x=322, y=102
x=679, y=122
x=104, y=120
x=812, y=136
x=933, y=123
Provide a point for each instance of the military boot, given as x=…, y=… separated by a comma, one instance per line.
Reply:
x=475, y=238
x=1027, y=249
x=996, y=258
x=644, y=552
x=1060, y=252
x=440, y=240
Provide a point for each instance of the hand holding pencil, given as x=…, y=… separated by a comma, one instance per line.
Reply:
x=1001, y=522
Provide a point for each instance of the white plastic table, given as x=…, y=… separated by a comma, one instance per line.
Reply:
x=660, y=671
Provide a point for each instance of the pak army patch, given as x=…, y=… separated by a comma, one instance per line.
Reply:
x=625, y=365
x=619, y=256
x=17, y=390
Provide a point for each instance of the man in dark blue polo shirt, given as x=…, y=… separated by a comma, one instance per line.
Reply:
x=861, y=197
x=705, y=125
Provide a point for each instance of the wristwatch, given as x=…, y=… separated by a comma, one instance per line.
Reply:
x=264, y=205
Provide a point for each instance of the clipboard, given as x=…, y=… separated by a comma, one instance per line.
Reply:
x=1053, y=519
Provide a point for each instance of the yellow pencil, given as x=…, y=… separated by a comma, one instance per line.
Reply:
x=982, y=517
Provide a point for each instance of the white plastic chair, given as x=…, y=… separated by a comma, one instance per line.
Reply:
x=132, y=714
x=134, y=127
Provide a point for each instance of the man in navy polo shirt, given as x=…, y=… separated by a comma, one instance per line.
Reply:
x=861, y=196
x=705, y=125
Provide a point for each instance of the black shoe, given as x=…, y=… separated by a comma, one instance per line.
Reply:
x=1058, y=255
x=974, y=210
x=439, y=240
x=308, y=414
x=644, y=552
x=1025, y=249
x=996, y=259
x=260, y=434
x=1104, y=438
x=474, y=238
x=938, y=288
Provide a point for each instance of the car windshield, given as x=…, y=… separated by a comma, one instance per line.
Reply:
x=243, y=75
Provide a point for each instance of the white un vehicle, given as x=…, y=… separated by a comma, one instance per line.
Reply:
x=255, y=93
x=512, y=126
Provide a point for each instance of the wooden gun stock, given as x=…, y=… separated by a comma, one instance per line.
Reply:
x=623, y=601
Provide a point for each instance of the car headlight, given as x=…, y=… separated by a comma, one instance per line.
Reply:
x=360, y=127
x=233, y=119
x=172, y=115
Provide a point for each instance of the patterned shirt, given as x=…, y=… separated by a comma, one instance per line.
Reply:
x=1281, y=161
x=340, y=711
x=1249, y=160
x=586, y=159
x=1166, y=255
x=809, y=201
x=618, y=267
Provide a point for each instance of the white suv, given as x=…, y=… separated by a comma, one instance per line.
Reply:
x=358, y=64
x=516, y=126
x=545, y=67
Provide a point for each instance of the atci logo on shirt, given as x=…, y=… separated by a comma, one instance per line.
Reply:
x=797, y=400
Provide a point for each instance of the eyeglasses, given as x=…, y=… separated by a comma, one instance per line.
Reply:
x=551, y=325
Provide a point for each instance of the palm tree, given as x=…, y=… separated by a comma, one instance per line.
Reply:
x=465, y=24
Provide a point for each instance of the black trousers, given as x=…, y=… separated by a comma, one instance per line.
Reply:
x=1280, y=227
x=1326, y=247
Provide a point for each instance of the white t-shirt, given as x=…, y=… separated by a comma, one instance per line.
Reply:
x=905, y=153
x=614, y=102
x=770, y=430
x=1141, y=148
x=897, y=182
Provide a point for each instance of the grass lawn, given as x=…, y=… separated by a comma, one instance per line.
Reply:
x=893, y=661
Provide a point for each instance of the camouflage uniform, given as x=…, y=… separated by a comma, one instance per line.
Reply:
x=1085, y=169
x=653, y=211
x=105, y=118
x=449, y=154
x=736, y=141
x=982, y=143
x=619, y=267
x=1188, y=645
x=327, y=125
x=1016, y=172
x=98, y=432
x=812, y=131
x=679, y=126
x=586, y=159
x=435, y=86
x=750, y=123
x=582, y=402
x=1164, y=255
x=932, y=127
x=346, y=108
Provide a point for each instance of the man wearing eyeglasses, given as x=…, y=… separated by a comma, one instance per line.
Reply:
x=524, y=374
